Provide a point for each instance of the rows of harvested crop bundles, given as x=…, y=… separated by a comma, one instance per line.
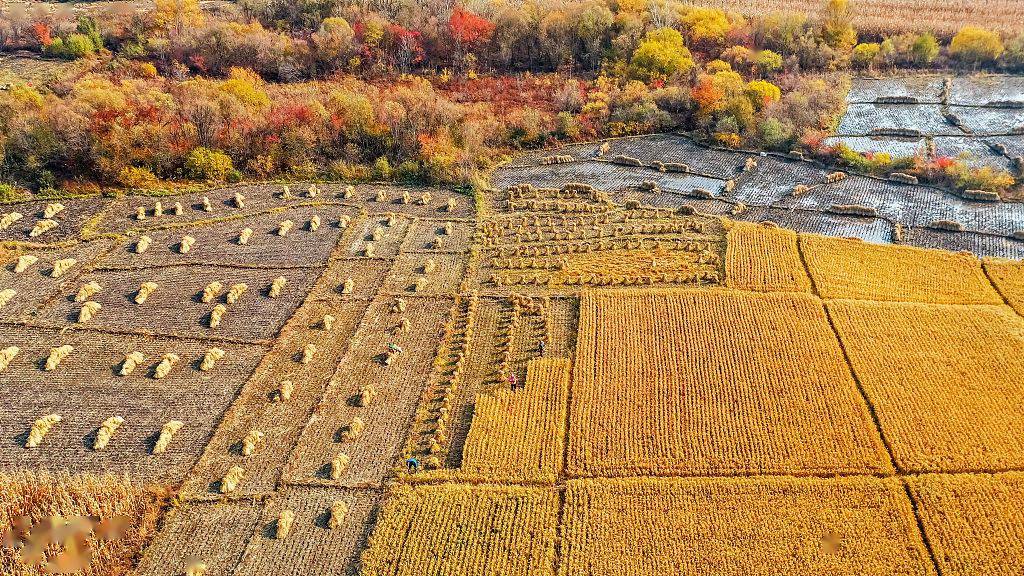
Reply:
x=764, y=258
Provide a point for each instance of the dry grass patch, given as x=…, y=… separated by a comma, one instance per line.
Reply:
x=714, y=382
x=458, y=529
x=748, y=527
x=113, y=499
x=944, y=381
x=843, y=268
x=975, y=522
x=764, y=258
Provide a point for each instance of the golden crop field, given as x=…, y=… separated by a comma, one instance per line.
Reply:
x=843, y=268
x=1008, y=278
x=944, y=380
x=464, y=529
x=975, y=522
x=745, y=526
x=714, y=382
x=764, y=258
x=519, y=434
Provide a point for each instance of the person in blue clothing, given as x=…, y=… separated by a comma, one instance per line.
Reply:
x=413, y=464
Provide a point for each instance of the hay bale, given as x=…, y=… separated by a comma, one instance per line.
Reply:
x=130, y=362
x=217, y=315
x=235, y=292
x=158, y=208
x=88, y=310
x=404, y=325
x=451, y=205
x=210, y=359
x=750, y=164
x=6, y=295
x=420, y=284
x=348, y=192
x=207, y=207
x=369, y=250
x=277, y=286
x=897, y=232
x=60, y=267
x=186, y=244
x=983, y=195
x=87, y=291
x=377, y=234
x=284, y=227
x=145, y=290
x=947, y=226
x=339, y=465
x=244, y=236
x=650, y=186
x=283, y=392
x=854, y=210
x=196, y=568
x=42, y=227
x=903, y=178
x=556, y=159
x=284, y=524
x=229, y=483
x=52, y=209
x=398, y=306
x=57, y=355
x=406, y=197
x=6, y=355
x=366, y=395
x=211, y=291
x=8, y=219
x=344, y=220
x=239, y=200
x=178, y=210
x=23, y=263
x=800, y=189
x=106, y=432
x=425, y=198
x=624, y=160
x=429, y=266
x=353, y=430
x=314, y=223
x=834, y=177
x=738, y=208
x=380, y=196
x=140, y=213
x=338, y=512
x=286, y=193
x=40, y=428
x=313, y=191
x=896, y=100
x=348, y=286
x=143, y=244
x=164, y=367
x=252, y=441
x=308, y=352
x=327, y=322
x=166, y=434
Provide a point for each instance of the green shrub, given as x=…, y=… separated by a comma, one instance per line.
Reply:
x=205, y=164
x=9, y=193
x=136, y=177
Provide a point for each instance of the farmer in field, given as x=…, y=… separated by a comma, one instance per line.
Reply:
x=543, y=347
x=512, y=381
x=413, y=464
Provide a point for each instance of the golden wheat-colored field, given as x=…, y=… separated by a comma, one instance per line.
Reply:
x=843, y=268
x=1008, y=278
x=714, y=382
x=764, y=258
x=749, y=527
x=944, y=380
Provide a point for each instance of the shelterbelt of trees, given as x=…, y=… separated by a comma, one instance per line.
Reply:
x=432, y=92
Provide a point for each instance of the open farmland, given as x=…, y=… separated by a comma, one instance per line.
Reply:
x=640, y=380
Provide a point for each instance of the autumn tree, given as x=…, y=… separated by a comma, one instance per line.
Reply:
x=175, y=16
x=469, y=32
x=661, y=54
x=837, y=26
x=976, y=46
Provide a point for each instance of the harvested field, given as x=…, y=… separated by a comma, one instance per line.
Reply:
x=756, y=526
x=943, y=381
x=75, y=215
x=366, y=197
x=990, y=121
x=973, y=521
x=924, y=88
x=86, y=388
x=875, y=119
x=723, y=383
x=986, y=90
x=483, y=530
x=601, y=175
x=40, y=496
x=35, y=285
x=764, y=258
x=984, y=245
x=562, y=320
x=398, y=387
x=439, y=236
x=213, y=533
x=670, y=148
x=842, y=268
x=814, y=222
x=386, y=239
x=973, y=151
x=412, y=274
x=775, y=178
x=176, y=307
x=367, y=276
x=312, y=546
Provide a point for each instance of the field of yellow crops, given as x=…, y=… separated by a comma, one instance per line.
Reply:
x=764, y=258
x=842, y=268
x=714, y=382
x=1008, y=278
x=749, y=526
x=944, y=380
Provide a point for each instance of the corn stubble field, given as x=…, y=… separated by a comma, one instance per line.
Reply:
x=589, y=387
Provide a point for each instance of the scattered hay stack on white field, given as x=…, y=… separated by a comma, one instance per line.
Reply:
x=186, y=244
x=284, y=227
x=211, y=291
x=40, y=428
x=166, y=434
x=229, y=483
x=57, y=355
x=88, y=310
x=41, y=228
x=143, y=244
x=244, y=236
x=53, y=209
x=252, y=441
x=8, y=219
x=6, y=295
x=61, y=267
x=338, y=512
x=7, y=355
x=210, y=359
x=354, y=430
x=284, y=524
x=106, y=432
x=166, y=363
x=235, y=292
x=284, y=391
x=217, y=314
x=87, y=291
x=308, y=352
x=339, y=466
x=140, y=213
x=146, y=290
x=131, y=362
x=23, y=262
x=277, y=286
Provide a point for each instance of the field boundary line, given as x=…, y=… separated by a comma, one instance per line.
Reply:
x=920, y=525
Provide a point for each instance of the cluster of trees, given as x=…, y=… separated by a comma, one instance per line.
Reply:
x=432, y=91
